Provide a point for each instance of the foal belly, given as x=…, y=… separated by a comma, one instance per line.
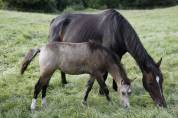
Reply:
x=74, y=69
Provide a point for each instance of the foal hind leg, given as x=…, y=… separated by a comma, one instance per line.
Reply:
x=104, y=79
x=38, y=88
x=44, y=88
x=42, y=84
x=88, y=89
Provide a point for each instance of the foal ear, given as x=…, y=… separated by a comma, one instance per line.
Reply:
x=122, y=82
x=159, y=62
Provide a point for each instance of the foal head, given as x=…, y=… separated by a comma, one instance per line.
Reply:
x=125, y=91
x=152, y=82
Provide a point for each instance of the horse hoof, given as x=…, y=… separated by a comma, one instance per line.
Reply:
x=84, y=103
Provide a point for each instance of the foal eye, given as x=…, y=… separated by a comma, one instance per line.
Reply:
x=123, y=93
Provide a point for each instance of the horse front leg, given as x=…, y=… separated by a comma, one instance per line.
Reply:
x=63, y=78
x=88, y=89
x=104, y=79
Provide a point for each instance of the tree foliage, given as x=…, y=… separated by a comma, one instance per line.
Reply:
x=59, y=5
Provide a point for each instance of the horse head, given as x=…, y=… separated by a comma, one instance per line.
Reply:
x=152, y=82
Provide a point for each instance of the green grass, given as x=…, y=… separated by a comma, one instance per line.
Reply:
x=158, y=30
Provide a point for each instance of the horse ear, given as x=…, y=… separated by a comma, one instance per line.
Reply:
x=159, y=62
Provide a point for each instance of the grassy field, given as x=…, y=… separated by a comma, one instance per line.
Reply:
x=158, y=30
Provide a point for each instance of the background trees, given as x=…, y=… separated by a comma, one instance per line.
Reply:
x=60, y=5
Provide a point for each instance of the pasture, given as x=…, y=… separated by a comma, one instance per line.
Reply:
x=20, y=31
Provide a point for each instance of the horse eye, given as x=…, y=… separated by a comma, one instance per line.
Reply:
x=123, y=93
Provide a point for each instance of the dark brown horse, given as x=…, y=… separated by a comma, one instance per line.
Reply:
x=78, y=58
x=114, y=32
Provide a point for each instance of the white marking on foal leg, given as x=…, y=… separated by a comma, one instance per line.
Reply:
x=44, y=104
x=33, y=104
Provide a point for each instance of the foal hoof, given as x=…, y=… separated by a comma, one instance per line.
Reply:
x=111, y=103
x=84, y=103
x=44, y=103
x=32, y=110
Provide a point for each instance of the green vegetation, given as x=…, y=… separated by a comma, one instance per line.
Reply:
x=158, y=30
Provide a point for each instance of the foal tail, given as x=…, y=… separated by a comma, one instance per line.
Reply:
x=28, y=58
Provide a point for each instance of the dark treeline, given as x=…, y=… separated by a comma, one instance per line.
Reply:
x=60, y=5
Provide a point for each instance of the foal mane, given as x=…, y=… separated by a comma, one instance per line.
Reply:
x=94, y=46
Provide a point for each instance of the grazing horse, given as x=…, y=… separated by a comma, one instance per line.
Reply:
x=78, y=58
x=114, y=32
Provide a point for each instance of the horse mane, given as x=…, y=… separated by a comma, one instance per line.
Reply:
x=135, y=47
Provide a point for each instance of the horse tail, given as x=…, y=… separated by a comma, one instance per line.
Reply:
x=58, y=27
x=28, y=58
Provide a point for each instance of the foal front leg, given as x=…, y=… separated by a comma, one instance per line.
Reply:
x=88, y=89
x=103, y=87
x=104, y=79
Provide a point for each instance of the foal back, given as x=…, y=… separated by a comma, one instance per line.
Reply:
x=74, y=58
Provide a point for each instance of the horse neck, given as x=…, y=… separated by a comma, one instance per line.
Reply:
x=135, y=47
